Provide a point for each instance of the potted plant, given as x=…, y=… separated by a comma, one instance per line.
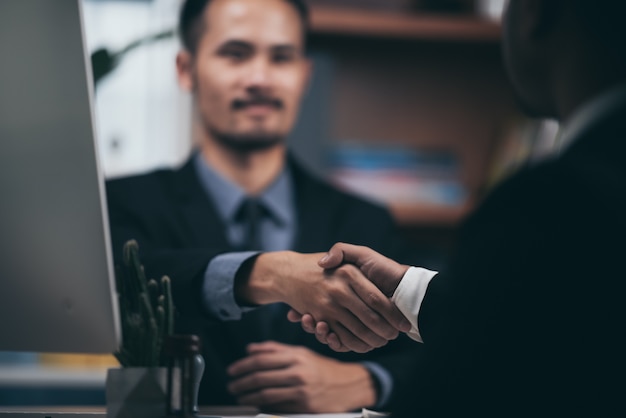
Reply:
x=139, y=387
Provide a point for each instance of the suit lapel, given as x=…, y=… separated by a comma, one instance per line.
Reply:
x=198, y=214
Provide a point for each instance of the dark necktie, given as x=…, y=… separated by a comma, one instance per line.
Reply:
x=250, y=214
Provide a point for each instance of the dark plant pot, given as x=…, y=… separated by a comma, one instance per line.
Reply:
x=136, y=392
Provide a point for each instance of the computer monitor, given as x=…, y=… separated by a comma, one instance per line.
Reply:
x=57, y=289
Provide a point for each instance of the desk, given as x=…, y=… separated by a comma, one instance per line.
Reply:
x=249, y=412
x=38, y=385
x=220, y=411
x=33, y=377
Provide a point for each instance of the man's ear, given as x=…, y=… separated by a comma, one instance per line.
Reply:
x=184, y=70
x=539, y=17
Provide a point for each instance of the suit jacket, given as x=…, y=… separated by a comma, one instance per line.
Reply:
x=530, y=317
x=179, y=231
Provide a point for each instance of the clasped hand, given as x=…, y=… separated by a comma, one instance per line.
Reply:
x=285, y=378
x=355, y=312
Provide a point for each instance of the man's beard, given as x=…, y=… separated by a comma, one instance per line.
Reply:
x=255, y=140
x=249, y=142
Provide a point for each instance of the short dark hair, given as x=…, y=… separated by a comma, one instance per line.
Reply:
x=191, y=24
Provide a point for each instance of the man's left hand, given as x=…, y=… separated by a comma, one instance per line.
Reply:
x=284, y=378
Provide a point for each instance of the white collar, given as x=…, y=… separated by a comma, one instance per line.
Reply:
x=588, y=114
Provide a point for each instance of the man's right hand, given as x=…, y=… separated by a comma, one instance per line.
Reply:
x=385, y=273
x=362, y=317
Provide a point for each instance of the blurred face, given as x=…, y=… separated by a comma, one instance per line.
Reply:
x=249, y=72
x=512, y=50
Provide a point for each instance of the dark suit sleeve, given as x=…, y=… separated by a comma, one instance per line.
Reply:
x=506, y=325
x=399, y=356
x=373, y=226
x=459, y=317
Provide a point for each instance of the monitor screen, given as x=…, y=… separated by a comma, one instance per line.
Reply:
x=57, y=289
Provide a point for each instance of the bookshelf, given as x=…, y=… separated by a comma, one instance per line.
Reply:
x=434, y=215
x=331, y=20
x=429, y=82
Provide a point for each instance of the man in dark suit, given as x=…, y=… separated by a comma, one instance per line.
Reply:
x=529, y=319
x=203, y=224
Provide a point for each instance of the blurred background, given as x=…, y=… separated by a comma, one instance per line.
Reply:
x=409, y=106
x=409, y=103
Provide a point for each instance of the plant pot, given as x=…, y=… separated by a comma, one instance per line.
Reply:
x=136, y=392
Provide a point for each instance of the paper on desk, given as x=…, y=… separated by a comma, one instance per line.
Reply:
x=368, y=413
x=343, y=415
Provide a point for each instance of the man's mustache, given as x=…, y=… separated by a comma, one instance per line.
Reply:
x=239, y=104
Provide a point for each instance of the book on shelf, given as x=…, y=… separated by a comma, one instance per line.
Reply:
x=398, y=174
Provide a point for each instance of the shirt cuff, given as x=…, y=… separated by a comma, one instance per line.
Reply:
x=383, y=383
x=409, y=295
x=218, y=287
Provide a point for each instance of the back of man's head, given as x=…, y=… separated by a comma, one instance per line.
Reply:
x=561, y=53
x=191, y=23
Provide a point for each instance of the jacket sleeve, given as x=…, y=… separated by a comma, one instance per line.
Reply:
x=374, y=227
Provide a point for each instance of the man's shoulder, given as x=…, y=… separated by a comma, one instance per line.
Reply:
x=544, y=192
x=141, y=178
x=134, y=181
x=147, y=178
x=155, y=185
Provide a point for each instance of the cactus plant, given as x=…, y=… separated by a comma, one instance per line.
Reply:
x=146, y=310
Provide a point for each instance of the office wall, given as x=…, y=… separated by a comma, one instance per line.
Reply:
x=142, y=116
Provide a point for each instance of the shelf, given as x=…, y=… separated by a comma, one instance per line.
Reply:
x=429, y=214
x=357, y=22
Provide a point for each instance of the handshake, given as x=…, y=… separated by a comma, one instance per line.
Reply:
x=343, y=296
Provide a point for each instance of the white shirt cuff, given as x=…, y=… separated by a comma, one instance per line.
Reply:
x=409, y=295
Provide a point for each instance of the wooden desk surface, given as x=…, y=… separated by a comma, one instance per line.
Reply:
x=223, y=411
